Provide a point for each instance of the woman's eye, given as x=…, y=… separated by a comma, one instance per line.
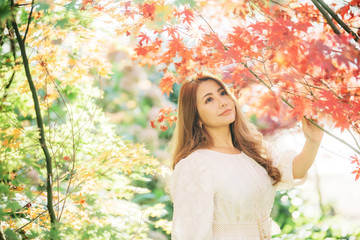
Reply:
x=207, y=100
x=224, y=93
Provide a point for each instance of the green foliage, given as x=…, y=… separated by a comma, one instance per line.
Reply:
x=289, y=212
x=5, y=12
x=190, y=3
x=42, y=6
x=88, y=156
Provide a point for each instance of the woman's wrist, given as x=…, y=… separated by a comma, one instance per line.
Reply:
x=312, y=143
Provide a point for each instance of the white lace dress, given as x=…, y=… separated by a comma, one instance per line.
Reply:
x=220, y=196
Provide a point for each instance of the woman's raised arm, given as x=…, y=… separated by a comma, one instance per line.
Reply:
x=303, y=161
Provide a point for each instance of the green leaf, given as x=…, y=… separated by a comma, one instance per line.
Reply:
x=5, y=11
x=24, y=16
x=10, y=234
x=71, y=6
x=13, y=205
x=42, y=6
x=191, y=3
x=62, y=23
x=29, y=193
x=4, y=188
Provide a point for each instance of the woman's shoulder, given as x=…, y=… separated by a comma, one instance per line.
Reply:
x=197, y=156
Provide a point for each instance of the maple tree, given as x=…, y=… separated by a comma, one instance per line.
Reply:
x=58, y=150
x=284, y=60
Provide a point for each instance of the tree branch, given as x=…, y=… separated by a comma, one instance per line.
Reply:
x=327, y=17
x=32, y=220
x=337, y=19
x=29, y=20
x=39, y=121
x=284, y=100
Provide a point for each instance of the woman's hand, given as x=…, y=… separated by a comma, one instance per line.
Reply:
x=303, y=161
x=312, y=133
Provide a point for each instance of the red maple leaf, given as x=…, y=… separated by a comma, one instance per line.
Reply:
x=174, y=46
x=81, y=200
x=269, y=104
x=355, y=3
x=143, y=37
x=142, y=51
x=152, y=124
x=344, y=10
x=172, y=31
x=148, y=10
x=163, y=128
x=171, y=119
x=161, y=118
x=128, y=12
x=356, y=160
x=357, y=170
x=330, y=104
x=302, y=106
x=188, y=16
x=87, y=2
x=167, y=82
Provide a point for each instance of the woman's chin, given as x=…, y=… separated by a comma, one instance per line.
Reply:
x=229, y=119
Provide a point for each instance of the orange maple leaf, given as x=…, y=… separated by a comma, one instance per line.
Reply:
x=269, y=103
x=167, y=82
x=302, y=107
x=141, y=51
x=189, y=16
x=143, y=37
x=152, y=124
x=163, y=128
x=356, y=160
x=357, y=170
x=148, y=10
x=81, y=200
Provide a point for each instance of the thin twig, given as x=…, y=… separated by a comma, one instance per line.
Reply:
x=29, y=20
x=356, y=142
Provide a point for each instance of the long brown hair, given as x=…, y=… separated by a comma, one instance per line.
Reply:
x=189, y=136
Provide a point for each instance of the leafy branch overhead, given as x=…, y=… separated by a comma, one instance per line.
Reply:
x=305, y=55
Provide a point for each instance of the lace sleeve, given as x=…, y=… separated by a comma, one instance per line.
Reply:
x=284, y=162
x=192, y=193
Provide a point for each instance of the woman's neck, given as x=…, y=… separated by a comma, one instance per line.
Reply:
x=221, y=138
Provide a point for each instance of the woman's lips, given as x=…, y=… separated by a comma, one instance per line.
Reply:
x=225, y=112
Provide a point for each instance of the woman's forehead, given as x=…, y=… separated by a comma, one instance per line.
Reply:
x=209, y=86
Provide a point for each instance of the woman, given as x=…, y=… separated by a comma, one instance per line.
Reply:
x=225, y=175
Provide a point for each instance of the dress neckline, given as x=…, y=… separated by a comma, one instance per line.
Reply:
x=222, y=152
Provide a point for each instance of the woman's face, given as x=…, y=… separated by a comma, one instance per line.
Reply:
x=216, y=108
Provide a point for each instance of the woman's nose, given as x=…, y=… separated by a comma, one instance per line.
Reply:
x=223, y=103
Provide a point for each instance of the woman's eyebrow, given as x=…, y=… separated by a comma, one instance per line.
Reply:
x=210, y=93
